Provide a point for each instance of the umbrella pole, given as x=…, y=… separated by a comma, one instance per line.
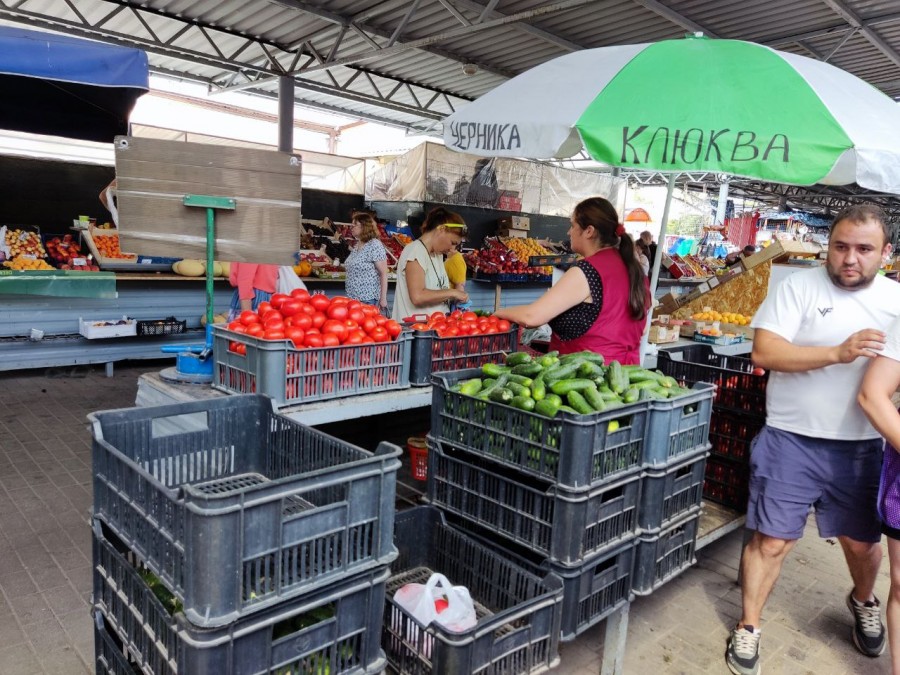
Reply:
x=654, y=278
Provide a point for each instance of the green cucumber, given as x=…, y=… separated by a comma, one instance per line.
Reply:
x=470, y=387
x=590, y=370
x=518, y=389
x=501, y=395
x=577, y=401
x=594, y=399
x=569, y=409
x=668, y=381
x=523, y=403
x=650, y=393
x=563, y=387
x=547, y=407
x=560, y=371
x=520, y=379
x=494, y=369
x=642, y=375
x=616, y=377
x=549, y=359
x=499, y=383
x=556, y=399
x=518, y=358
x=645, y=384
x=631, y=395
x=538, y=388
x=528, y=369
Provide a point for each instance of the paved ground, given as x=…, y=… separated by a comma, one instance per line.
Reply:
x=45, y=580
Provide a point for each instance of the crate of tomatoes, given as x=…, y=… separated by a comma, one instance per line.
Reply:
x=456, y=341
x=301, y=348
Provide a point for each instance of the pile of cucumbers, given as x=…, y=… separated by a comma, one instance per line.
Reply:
x=580, y=383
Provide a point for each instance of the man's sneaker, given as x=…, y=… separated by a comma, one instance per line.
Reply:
x=742, y=655
x=868, y=633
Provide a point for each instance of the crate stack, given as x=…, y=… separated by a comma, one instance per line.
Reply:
x=607, y=502
x=739, y=412
x=230, y=539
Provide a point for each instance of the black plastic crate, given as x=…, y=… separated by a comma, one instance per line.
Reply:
x=168, y=326
x=235, y=507
x=591, y=591
x=678, y=427
x=434, y=354
x=109, y=652
x=566, y=527
x=727, y=482
x=669, y=494
x=731, y=432
x=578, y=452
x=518, y=611
x=291, y=376
x=738, y=387
x=334, y=629
x=662, y=556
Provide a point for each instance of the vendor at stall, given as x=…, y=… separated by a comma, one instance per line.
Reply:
x=600, y=304
x=422, y=283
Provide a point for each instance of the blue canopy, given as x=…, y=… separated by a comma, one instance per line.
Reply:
x=63, y=86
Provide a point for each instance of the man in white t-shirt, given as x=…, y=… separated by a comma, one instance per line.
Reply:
x=816, y=332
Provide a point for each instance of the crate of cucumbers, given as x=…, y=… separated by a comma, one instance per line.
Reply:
x=573, y=419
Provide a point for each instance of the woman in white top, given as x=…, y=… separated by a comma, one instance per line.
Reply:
x=422, y=283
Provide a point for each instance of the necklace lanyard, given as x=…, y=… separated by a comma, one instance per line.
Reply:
x=436, y=274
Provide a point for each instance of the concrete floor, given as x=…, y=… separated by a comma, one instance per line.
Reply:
x=45, y=576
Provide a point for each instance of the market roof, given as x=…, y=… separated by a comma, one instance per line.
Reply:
x=413, y=62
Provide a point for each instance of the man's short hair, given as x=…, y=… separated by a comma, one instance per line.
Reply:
x=749, y=249
x=862, y=213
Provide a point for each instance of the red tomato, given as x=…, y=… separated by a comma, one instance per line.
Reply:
x=292, y=307
x=355, y=333
x=350, y=324
x=469, y=316
x=295, y=335
x=355, y=313
x=354, y=304
x=451, y=331
x=340, y=300
x=255, y=330
x=354, y=339
x=337, y=311
x=248, y=316
x=319, y=302
x=367, y=340
x=490, y=329
x=301, y=294
x=318, y=319
x=302, y=320
x=503, y=326
x=420, y=326
x=455, y=314
x=278, y=299
x=368, y=324
x=313, y=340
x=336, y=328
x=380, y=320
x=379, y=334
x=273, y=335
x=330, y=340
x=308, y=309
x=393, y=328
x=312, y=330
x=234, y=324
x=264, y=307
x=241, y=349
x=273, y=322
x=369, y=310
x=437, y=316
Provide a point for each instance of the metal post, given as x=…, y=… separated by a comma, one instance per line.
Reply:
x=286, y=113
x=210, y=245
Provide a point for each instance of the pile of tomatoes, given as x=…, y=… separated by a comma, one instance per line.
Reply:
x=462, y=323
x=316, y=320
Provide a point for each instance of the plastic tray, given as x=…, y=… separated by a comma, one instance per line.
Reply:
x=669, y=494
x=292, y=376
x=566, y=527
x=731, y=433
x=678, y=426
x=334, y=629
x=518, y=611
x=433, y=354
x=663, y=556
x=727, y=482
x=738, y=387
x=94, y=329
x=576, y=451
x=236, y=508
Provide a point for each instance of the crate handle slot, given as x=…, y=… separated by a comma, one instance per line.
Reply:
x=170, y=425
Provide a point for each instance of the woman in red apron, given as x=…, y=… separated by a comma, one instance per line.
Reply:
x=600, y=304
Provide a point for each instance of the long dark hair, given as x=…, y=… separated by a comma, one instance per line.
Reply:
x=599, y=213
x=440, y=215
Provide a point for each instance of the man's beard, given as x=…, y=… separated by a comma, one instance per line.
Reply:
x=861, y=282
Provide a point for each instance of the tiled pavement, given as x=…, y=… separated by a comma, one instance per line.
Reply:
x=45, y=580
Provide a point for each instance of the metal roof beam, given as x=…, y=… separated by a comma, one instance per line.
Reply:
x=831, y=30
x=853, y=19
x=674, y=17
x=487, y=11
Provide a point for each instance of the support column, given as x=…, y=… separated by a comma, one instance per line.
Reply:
x=286, y=113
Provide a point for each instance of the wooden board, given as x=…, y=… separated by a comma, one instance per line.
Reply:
x=154, y=176
x=743, y=294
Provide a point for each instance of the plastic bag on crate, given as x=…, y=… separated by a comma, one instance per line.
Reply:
x=287, y=280
x=439, y=601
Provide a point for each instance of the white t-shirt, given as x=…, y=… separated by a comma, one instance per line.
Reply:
x=892, y=343
x=435, y=279
x=808, y=309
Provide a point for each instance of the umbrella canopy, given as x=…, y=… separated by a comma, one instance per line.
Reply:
x=637, y=215
x=62, y=86
x=693, y=105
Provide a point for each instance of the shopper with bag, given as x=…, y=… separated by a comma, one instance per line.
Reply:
x=253, y=284
x=367, y=264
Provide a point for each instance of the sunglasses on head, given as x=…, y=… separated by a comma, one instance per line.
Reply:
x=460, y=225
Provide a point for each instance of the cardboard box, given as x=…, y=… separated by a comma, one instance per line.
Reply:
x=663, y=334
x=667, y=304
x=781, y=250
x=514, y=222
x=107, y=329
x=721, y=340
x=521, y=234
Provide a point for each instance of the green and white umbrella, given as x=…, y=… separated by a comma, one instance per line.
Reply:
x=695, y=104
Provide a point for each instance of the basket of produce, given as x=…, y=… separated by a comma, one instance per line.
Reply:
x=66, y=253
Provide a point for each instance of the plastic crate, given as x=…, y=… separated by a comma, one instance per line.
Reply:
x=678, y=426
x=167, y=326
x=738, y=387
x=236, y=508
x=291, y=376
x=667, y=495
x=663, y=556
x=566, y=527
x=334, y=629
x=731, y=433
x=727, y=482
x=591, y=591
x=518, y=611
x=109, y=652
x=433, y=354
x=578, y=452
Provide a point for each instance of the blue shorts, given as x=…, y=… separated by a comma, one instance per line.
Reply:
x=790, y=473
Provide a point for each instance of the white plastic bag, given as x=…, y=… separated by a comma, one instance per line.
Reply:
x=288, y=280
x=424, y=603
